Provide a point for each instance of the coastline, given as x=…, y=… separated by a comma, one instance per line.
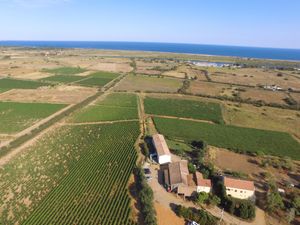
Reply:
x=236, y=52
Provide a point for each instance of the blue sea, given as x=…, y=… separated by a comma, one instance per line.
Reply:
x=248, y=52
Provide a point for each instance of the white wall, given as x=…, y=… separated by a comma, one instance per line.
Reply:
x=164, y=159
x=203, y=189
x=239, y=193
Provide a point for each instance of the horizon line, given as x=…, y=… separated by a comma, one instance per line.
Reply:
x=155, y=42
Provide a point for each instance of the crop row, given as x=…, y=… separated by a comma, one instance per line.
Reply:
x=90, y=165
x=239, y=139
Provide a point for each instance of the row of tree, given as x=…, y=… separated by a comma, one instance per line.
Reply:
x=145, y=195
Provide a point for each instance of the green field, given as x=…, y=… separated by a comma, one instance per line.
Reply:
x=114, y=107
x=120, y=99
x=63, y=78
x=98, y=79
x=3, y=90
x=74, y=175
x=16, y=116
x=231, y=137
x=7, y=83
x=184, y=108
x=105, y=113
x=65, y=70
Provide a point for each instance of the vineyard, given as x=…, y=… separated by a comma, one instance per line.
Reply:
x=184, y=108
x=113, y=107
x=77, y=175
x=63, y=78
x=98, y=79
x=235, y=138
x=120, y=99
x=18, y=116
x=8, y=83
x=65, y=70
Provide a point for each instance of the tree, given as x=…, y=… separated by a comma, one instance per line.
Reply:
x=274, y=201
x=191, y=168
x=202, y=197
x=214, y=200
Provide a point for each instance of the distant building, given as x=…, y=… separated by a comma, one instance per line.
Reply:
x=161, y=147
x=242, y=189
x=203, y=185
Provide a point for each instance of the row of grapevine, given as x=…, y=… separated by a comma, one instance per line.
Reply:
x=79, y=176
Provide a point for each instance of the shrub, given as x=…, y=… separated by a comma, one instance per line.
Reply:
x=191, y=167
x=274, y=201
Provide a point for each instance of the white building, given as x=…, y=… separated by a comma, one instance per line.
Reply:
x=242, y=189
x=203, y=185
x=163, y=152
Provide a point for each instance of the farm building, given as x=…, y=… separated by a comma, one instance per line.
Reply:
x=178, y=179
x=176, y=174
x=242, y=189
x=203, y=185
x=162, y=149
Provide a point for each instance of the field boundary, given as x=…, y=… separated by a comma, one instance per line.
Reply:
x=34, y=132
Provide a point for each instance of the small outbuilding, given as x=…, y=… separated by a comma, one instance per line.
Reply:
x=242, y=189
x=203, y=185
x=162, y=149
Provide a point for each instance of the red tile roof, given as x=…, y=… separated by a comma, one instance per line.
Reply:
x=202, y=182
x=239, y=184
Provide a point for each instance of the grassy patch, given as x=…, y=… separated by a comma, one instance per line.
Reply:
x=231, y=137
x=98, y=79
x=105, y=113
x=65, y=70
x=63, y=78
x=114, y=107
x=120, y=99
x=70, y=175
x=105, y=75
x=184, y=108
x=16, y=116
x=94, y=82
x=2, y=90
x=7, y=83
x=149, y=83
x=178, y=146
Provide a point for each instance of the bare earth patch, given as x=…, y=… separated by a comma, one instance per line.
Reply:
x=112, y=67
x=266, y=96
x=165, y=216
x=59, y=94
x=227, y=160
x=148, y=83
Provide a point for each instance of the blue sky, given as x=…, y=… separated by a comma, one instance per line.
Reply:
x=265, y=23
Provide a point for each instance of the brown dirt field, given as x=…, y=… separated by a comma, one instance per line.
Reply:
x=166, y=216
x=209, y=88
x=147, y=71
x=148, y=83
x=59, y=94
x=267, y=118
x=196, y=72
x=224, y=159
x=296, y=96
x=253, y=77
x=111, y=67
x=174, y=73
x=227, y=160
x=264, y=95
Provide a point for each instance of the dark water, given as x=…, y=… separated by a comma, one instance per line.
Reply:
x=249, y=52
